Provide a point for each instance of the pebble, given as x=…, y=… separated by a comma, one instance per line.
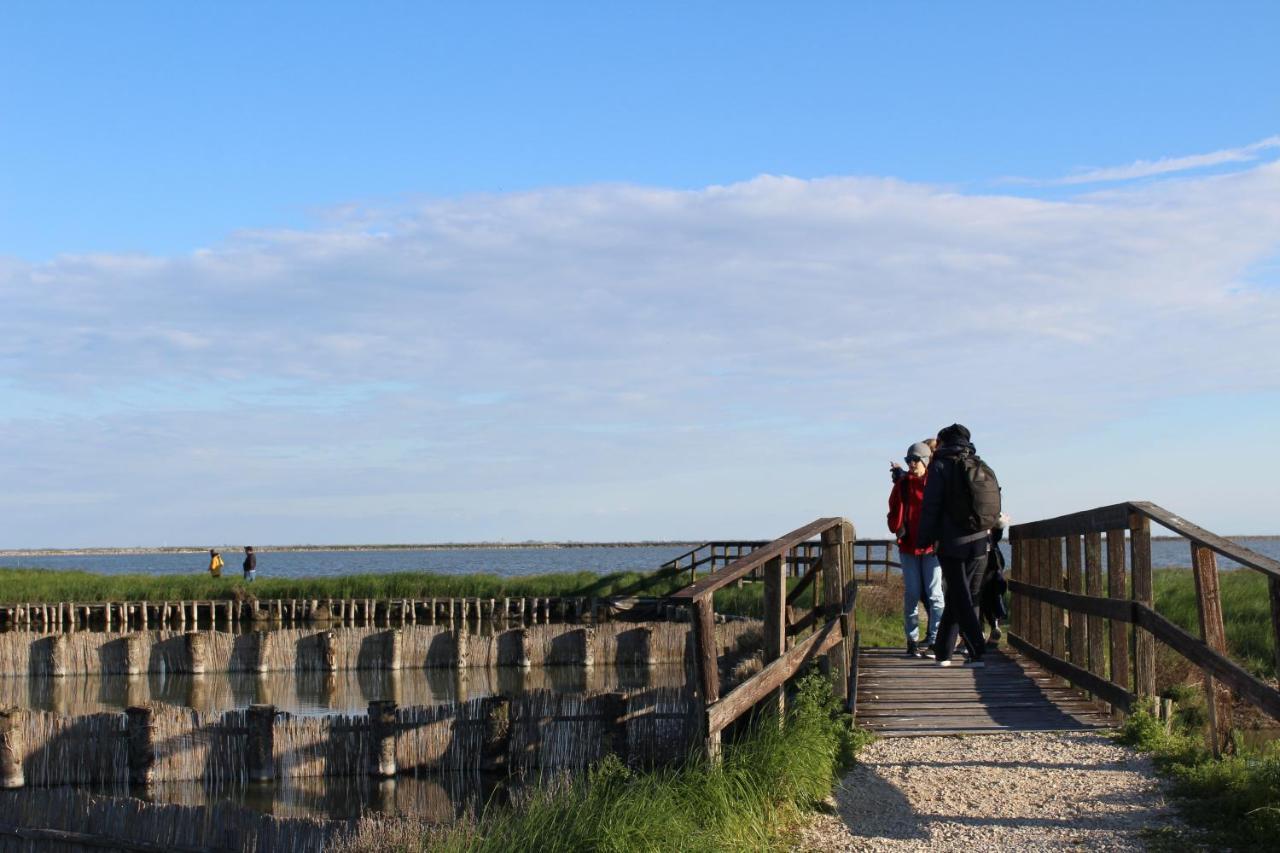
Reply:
x=1025, y=791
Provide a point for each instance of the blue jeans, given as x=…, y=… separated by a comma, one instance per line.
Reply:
x=921, y=580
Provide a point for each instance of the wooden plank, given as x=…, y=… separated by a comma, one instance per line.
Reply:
x=745, y=565
x=836, y=545
x=1227, y=671
x=1144, y=646
x=1077, y=629
x=805, y=582
x=1035, y=610
x=1109, y=608
x=1204, y=567
x=741, y=698
x=1117, y=588
x=706, y=666
x=1212, y=541
x=1089, y=521
x=1056, y=581
x=1101, y=688
x=1093, y=588
x=775, y=621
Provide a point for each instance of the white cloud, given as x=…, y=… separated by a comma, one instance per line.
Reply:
x=1169, y=165
x=694, y=355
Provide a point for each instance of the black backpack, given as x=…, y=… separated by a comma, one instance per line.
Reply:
x=974, y=499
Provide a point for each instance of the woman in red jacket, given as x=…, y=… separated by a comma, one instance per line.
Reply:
x=921, y=576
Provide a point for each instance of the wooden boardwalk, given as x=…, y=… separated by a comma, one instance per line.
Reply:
x=904, y=697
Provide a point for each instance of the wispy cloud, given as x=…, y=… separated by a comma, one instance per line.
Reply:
x=508, y=366
x=1169, y=165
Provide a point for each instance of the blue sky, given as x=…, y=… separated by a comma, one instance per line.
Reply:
x=385, y=272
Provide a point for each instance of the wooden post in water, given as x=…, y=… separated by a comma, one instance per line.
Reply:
x=497, y=732
x=197, y=645
x=260, y=748
x=12, y=747
x=1204, y=566
x=1144, y=644
x=135, y=655
x=524, y=659
x=261, y=649
x=394, y=649
x=586, y=645
x=58, y=655
x=140, y=726
x=329, y=650
x=1117, y=587
x=382, y=728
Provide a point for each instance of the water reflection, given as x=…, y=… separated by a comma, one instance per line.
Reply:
x=346, y=691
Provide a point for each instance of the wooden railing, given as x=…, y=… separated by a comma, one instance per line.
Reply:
x=710, y=556
x=1064, y=620
x=829, y=623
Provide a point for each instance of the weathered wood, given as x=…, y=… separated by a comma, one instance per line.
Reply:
x=836, y=542
x=13, y=747
x=1144, y=663
x=775, y=620
x=1273, y=588
x=743, y=697
x=706, y=668
x=1058, y=635
x=1093, y=588
x=1078, y=630
x=1097, y=520
x=197, y=647
x=744, y=566
x=382, y=734
x=1215, y=543
x=1103, y=689
x=805, y=582
x=1105, y=607
x=1225, y=670
x=260, y=746
x=1117, y=588
x=1204, y=567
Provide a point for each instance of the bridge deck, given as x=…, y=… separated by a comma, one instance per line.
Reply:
x=904, y=697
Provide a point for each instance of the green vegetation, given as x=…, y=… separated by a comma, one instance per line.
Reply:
x=1234, y=800
x=48, y=585
x=748, y=801
x=1246, y=610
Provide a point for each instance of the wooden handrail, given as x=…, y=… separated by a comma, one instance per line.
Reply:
x=748, y=563
x=1212, y=541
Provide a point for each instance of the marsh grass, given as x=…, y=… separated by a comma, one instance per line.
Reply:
x=1246, y=610
x=746, y=802
x=1234, y=800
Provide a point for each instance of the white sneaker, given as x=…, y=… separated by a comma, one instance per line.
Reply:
x=947, y=662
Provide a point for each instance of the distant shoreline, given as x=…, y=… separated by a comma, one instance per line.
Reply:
x=265, y=549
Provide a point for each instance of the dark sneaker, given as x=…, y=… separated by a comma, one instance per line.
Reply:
x=925, y=651
x=995, y=636
x=913, y=648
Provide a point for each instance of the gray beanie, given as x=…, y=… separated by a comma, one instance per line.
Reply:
x=920, y=449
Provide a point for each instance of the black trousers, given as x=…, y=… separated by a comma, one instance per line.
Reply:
x=961, y=579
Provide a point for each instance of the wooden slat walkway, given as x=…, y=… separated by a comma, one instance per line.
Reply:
x=902, y=697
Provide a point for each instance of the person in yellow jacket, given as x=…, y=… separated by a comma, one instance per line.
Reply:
x=215, y=563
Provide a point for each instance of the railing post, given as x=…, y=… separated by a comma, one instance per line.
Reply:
x=1093, y=587
x=775, y=622
x=1144, y=644
x=706, y=668
x=1204, y=566
x=1017, y=603
x=1075, y=583
x=1117, y=588
x=1057, y=615
x=835, y=541
x=1040, y=613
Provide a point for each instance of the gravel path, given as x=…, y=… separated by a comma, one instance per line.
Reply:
x=1023, y=791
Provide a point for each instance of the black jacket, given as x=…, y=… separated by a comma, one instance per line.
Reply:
x=936, y=523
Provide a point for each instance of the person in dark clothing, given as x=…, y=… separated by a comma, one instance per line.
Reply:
x=962, y=552
x=994, y=586
x=250, y=563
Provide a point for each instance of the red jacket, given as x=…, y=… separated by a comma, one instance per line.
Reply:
x=904, y=515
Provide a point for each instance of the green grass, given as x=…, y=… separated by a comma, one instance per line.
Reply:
x=748, y=801
x=1246, y=613
x=1234, y=801
x=49, y=585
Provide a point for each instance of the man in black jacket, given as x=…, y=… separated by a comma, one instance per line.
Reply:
x=962, y=552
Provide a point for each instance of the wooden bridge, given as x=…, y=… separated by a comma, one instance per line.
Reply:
x=1079, y=656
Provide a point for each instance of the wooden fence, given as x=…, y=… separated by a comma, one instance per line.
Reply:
x=827, y=627
x=1074, y=602
x=711, y=556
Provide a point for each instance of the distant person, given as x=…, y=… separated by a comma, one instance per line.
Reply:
x=250, y=564
x=921, y=575
x=961, y=505
x=215, y=563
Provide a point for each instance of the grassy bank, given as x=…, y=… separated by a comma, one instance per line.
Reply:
x=1246, y=610
x=39, y=585
x=747, y=802
x=1235, y=800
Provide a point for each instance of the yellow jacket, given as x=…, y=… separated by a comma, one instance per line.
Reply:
x=215, y=565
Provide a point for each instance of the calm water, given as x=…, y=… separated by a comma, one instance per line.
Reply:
x=1165, y=553
x=311, y=564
